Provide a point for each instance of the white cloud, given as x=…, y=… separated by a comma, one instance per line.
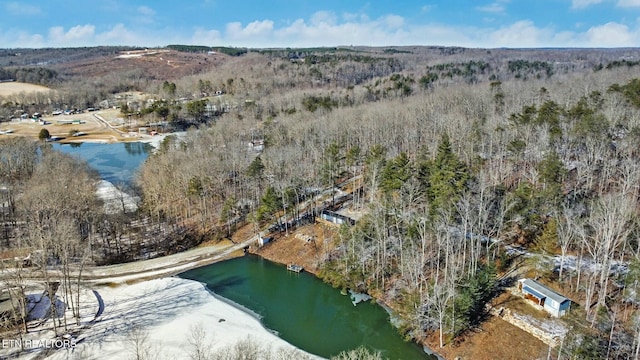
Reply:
x=427, y=8
x=21, y=9
x=326, y=18
x=75, y=36
x=355, y=17
x=145, y=15
x=330, y=29
x=119, y=35
x=324, y=30
x=387, y=30
x=254, y=31
x=581, y=4
x=393, y=21
x=628, y=3
x=146, y=11
x=206, y=37
x=612, y=35
x=496, y=8
x=110, y=6
x=22, y=39
x=527, y=34
x=519, y=34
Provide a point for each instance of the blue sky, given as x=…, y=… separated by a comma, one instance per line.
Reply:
x=302, y=23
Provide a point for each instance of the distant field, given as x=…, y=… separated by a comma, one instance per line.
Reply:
x=10, y=88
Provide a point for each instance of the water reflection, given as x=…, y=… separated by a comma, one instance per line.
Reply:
x=136, y=148
x=305, y=311
x=116, y=163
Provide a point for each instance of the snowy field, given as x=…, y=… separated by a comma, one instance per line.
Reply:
x=168, y=318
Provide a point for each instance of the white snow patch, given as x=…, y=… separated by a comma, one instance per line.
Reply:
x=115, y=200
x=156, y=140
x=587, y=264
x=165, y=310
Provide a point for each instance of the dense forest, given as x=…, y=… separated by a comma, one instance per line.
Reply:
x=458, y=160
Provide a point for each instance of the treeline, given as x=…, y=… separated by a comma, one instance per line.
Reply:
x=616, y=64
x=52, y=56
x=337, y=70
x=189, y=48
x=198, y=48
x=32, y=75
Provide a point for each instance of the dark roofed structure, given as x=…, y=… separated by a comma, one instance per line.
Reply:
x=552, y=302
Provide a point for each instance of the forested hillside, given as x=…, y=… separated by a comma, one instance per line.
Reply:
x=458, y=160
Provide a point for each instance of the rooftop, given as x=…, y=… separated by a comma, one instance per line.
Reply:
x=543, y=290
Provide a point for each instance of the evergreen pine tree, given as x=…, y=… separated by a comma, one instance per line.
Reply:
x=446, y=176
x=395, y=173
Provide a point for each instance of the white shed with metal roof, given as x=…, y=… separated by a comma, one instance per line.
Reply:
x=552, y=302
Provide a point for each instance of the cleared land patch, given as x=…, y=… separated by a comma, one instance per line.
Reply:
x=99, y=126
x=13, y=88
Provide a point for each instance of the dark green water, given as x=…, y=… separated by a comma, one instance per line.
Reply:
x=303, y=310
x=116, y=163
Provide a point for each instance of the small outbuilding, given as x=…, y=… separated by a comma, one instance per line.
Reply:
x=335, y=218
x=549, y=300
x=262, y=241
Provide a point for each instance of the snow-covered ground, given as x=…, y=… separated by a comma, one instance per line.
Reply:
x=569, y=263
x=156, y=140
x=572, y=263
x=164, y=319
x=114, y=199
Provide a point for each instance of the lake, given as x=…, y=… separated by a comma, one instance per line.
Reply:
x=116, y=163
x=300, y=308
x=303, y=310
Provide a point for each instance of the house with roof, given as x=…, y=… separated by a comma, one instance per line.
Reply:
x=335, y=218
x=549, y=300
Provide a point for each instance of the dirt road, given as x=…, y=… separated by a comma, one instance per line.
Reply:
x=146, y=269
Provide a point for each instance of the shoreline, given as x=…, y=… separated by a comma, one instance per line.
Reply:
x=112, y=279
x=170, y=317
x=150, y=269
x=426, y=346
x=160, y=306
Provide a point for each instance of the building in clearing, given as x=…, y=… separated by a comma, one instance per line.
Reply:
x=262, y=241
x=549, y=300
x=335, y=218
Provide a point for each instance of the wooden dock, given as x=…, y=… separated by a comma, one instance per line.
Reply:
x=295, y=268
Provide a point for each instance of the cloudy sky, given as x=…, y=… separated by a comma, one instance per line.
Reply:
x=302, y=23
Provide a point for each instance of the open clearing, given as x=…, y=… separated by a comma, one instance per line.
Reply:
x=100, y=126
x=13, y=88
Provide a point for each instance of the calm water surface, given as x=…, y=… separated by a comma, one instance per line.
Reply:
x=303, y=310
x=116, y=163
